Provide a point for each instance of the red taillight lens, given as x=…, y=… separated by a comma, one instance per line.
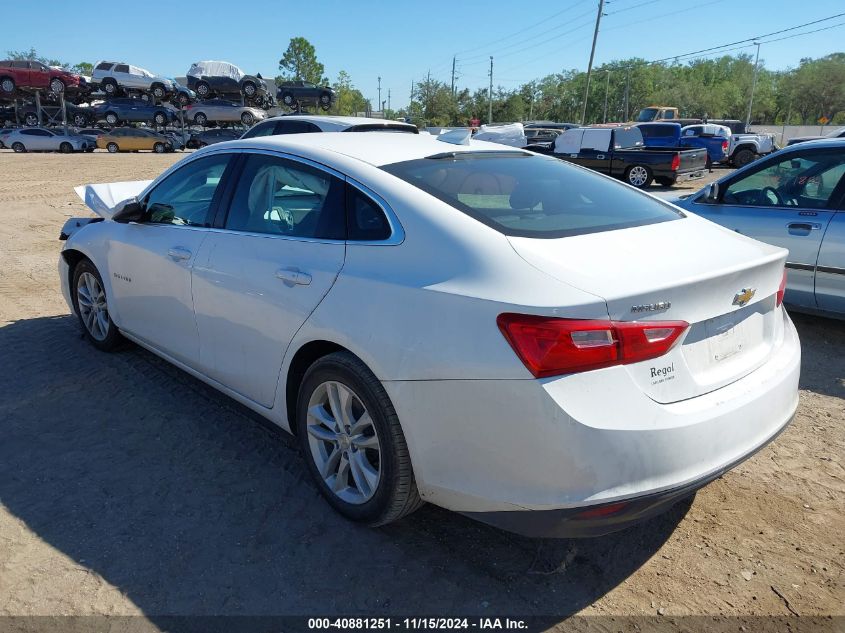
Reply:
x=781, y=289
x=550, y=347
x=725, y=147
x=676, y=162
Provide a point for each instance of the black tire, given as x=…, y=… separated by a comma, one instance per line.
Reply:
x=7, y=84
x=160, y=118
x=638, y=176
x=65, y=148
x=288, y=99
x=326, y=98
x=203, y=89
x=159, y=148
x=113, y=338
x=665, y=182
x=325, y=107
x=247, y=118
x=112, y=119
x=19, y=147
x=110, y=87
x=112, y=148
x=200, y=119
x=57, y=86
x=249, y=89
x=158, y=91
x=80, y=120
x=182, y=99
x=30, y=119
x=743, y=157
x=396, y=493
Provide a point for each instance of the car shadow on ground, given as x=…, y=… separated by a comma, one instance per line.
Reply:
x=188, y=504
x=822, y=357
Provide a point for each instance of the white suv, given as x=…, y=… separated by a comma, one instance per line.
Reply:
x=113, y=75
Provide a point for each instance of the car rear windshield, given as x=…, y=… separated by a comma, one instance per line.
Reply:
x=527, y=195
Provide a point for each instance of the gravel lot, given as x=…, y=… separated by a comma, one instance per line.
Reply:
x=128, y=487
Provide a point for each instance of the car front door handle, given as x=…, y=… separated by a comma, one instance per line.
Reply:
x=178, y=253
x=804, y=226
x=295, y=277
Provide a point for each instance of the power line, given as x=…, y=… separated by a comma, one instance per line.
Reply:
x=636, y=6
x=627, y=25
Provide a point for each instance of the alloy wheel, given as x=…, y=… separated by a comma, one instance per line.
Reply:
x=638, y=176
x=343, y=442
x=93, y=308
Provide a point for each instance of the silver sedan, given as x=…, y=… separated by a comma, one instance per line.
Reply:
x=39, y=139
x=222, y=111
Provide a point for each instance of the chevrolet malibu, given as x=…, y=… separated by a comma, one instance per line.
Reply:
x=437, y=319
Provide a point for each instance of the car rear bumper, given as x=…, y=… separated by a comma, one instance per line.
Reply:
x=547, y=450
x=690, y=175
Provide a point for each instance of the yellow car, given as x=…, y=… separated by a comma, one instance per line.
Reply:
x=128, y=139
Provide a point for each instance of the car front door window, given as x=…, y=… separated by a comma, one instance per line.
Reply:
x=185, y=197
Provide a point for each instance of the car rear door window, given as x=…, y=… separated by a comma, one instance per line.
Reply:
x=185, y=197
x=121, y=68
x=284, y=197
x=365, y=219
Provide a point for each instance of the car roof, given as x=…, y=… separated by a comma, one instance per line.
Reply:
x=381, y=148
x=818, y=143
x=332, y=123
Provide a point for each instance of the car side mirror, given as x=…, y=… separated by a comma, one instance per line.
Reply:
x=711, y=193
x=131, y=211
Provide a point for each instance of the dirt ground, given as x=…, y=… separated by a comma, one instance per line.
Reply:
x=129, y=488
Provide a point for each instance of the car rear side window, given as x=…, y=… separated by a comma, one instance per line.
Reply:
x=528, y=195
x=121, y=68
x=284, y=197
x=365, y=219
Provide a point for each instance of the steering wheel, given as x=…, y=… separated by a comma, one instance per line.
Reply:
x=778, y=199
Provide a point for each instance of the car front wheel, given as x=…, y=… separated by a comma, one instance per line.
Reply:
x=353, y=443
x=112, y=147
x=91, y=307
x=743, y=157
x=7, y=85
x=57, y=86
x=247, y=118
x=18, y=147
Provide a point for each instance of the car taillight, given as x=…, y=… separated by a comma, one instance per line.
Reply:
x=725, y=147
x=781, y=290
x=676, y=162
x=549, y=346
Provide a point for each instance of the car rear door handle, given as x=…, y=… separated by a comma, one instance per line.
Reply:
x=178, y=253
x=296, y=277
x=804, y=226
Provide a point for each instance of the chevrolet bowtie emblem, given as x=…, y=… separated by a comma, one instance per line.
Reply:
x=744, y=296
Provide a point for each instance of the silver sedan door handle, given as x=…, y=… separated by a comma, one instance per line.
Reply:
x=804, y=226
x=296, y=277
x=178, y=253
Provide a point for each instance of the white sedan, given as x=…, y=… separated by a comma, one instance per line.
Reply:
x=39, y=139
x=496, y=332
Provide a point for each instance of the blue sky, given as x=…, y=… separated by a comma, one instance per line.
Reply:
x=402, y=41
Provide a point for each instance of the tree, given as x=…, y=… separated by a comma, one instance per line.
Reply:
x=349, y=99
x=300, y=62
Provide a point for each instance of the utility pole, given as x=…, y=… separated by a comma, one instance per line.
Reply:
x=453, y=76
x=379, y=91
x=590, y=65
x=627, y=91
x=753, y=85
x=606, y=90
x=490, y=93
x=388, y=100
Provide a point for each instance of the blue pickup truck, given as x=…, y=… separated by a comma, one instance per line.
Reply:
x=713, y=138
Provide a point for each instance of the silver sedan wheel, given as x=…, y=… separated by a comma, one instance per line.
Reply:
x=637, y=176
x=92, y=306
x=344, y=443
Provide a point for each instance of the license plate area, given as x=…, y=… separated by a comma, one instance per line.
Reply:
x=724, y=340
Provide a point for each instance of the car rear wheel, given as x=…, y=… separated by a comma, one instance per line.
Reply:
x=325, y=107
x=182, y=99
x=247, y=118
x=65, y=148
x=159, y=148
x=111, y=118
x=325, y=98
x=200, y=119
x=7, y=84
x=158, y=91
x=665, y=182
x=160, y=118
x=91, y=307
x=110, y=87
x=743, y=157
x=112, y=147
x=249, y=89
x=18, y=147
x=639, y=176
x=203, y=89
x=57, y=85
x=353, y=443
x=30, y=119
x=79, y=120
x=287, y=99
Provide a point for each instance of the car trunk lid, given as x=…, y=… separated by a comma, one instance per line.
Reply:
x=692, y=270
